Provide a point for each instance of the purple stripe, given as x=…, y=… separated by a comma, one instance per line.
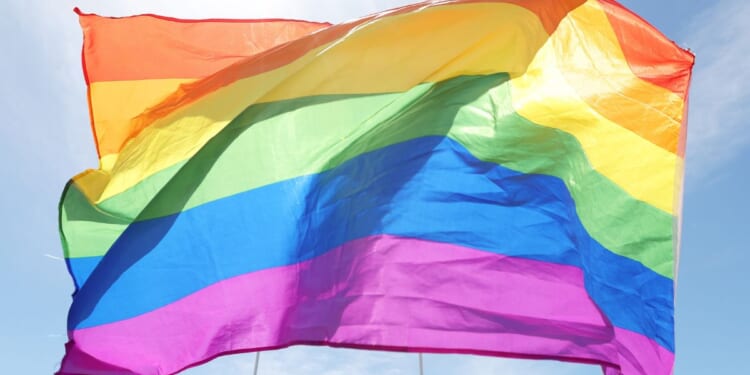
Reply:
x=380, y=292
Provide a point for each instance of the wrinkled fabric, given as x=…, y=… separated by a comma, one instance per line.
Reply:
x=486, y=177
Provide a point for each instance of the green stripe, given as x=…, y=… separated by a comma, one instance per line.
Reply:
x=276, y=141
x=86, y=230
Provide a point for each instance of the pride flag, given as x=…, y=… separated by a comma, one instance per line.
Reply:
x=487, y=177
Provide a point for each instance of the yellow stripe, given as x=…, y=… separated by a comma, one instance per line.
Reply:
x=542, y=95
x=389, y=54
x=115, y=104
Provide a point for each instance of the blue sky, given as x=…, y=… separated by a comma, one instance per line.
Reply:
x=45, y=139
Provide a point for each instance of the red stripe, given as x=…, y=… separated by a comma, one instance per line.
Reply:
x=652, y=56
x=155, y=47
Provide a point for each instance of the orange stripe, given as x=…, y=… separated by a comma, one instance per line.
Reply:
x=660, y=121
x=550, y=14
x=651, y=55
x=154, y=47
x=151, y=47
x=147, y=47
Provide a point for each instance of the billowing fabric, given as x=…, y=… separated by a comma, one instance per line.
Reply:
x=487, y=177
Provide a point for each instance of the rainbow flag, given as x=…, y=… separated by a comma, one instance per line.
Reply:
x=487, y=177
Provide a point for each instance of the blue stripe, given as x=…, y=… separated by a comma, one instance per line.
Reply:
x=430, y=188
x=81, y=268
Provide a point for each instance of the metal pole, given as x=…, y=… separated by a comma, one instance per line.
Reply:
x=421, y=369
x=257, y=359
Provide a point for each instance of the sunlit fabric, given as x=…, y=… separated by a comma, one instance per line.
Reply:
x=485, y=177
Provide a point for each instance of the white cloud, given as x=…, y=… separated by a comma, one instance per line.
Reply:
x=480, y=365
x=718, y=120
x=307, y=360
x=310, y=360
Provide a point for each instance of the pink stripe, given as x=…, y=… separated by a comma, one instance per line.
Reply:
x=380, y=292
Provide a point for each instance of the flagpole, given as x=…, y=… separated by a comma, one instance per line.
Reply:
x=421, y=370
x=257, y=359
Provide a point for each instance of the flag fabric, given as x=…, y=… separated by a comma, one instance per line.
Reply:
x=131, y=64
x=486, y=177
